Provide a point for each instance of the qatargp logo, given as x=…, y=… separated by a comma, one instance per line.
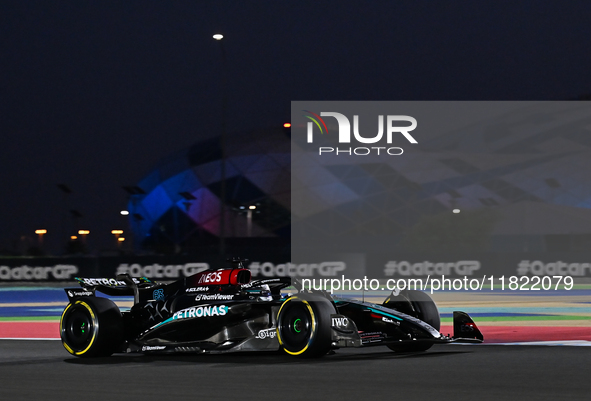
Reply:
x=28, y=273
x=405, y=268
x=558, y=268
x=324, y=269
x=394, y=125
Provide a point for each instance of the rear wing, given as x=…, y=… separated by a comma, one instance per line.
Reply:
x=113, y=286
x=109, y=282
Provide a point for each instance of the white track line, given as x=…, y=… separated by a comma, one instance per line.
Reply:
x=568, y=343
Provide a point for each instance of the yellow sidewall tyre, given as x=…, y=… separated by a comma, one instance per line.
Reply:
x=303, y=325
x=91, y=327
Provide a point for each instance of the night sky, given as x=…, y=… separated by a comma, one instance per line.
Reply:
x=94, y=93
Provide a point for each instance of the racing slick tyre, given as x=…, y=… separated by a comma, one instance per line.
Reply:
x=303, y=325
x=91, y=327
x=423, y=308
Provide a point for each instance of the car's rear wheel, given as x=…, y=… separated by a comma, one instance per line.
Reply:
x=91, y=326
x=303, y=325
x=419, y=305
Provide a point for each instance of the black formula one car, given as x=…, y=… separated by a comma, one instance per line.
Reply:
x=224, y=311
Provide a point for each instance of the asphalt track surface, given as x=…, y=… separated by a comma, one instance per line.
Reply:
x=43, y=370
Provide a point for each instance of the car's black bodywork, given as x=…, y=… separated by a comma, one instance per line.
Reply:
x=224, y=311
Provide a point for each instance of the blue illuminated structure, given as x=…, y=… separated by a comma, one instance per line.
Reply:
x=181, y=204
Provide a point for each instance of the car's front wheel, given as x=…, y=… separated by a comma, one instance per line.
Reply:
x=420, y=305
x=303, y=325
